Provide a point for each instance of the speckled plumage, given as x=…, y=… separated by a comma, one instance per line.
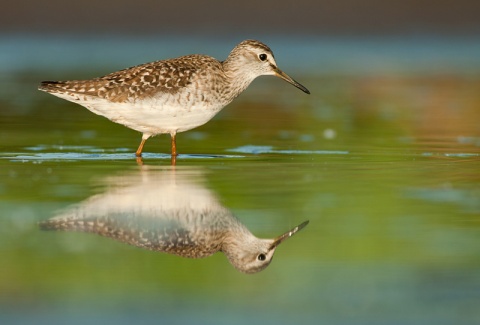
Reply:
x=174, y=95
x=168, y=211
x=146, y=81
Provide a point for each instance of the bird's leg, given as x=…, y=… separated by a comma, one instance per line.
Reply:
x=138, y=153
x=174, y=144
x=174, y=149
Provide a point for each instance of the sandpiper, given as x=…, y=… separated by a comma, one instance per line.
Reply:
x=170, y=211
x=174, y=95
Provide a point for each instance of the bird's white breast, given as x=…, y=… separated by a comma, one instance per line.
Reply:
x=167, y=113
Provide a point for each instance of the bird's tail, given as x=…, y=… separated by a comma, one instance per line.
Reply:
x=66, y=223
x=49, y=86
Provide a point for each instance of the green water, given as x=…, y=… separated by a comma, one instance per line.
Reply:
x=385, y=167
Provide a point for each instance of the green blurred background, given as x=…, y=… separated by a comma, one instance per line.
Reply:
x=383, y=158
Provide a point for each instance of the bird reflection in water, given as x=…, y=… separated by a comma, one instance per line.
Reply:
x=169, y=210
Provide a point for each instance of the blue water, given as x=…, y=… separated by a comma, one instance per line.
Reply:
x=350, y=56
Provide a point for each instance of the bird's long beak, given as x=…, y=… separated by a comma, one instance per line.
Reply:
x=277, y=241
x=286, y=77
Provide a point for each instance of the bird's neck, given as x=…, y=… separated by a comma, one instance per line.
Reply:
x=238, y=77
x=237, y=236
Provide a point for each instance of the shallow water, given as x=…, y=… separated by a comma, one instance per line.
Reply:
x=384, y=165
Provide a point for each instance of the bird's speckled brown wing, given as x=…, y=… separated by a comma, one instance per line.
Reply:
x=140, y=81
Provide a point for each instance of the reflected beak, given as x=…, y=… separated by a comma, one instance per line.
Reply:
x=277, y=241
x=284, y=76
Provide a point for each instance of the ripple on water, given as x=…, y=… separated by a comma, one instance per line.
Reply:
x=74, y=153
x=251, y=149
x=70, y=153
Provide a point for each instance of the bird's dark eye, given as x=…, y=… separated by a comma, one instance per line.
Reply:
x=262, y=57
x=261, y=257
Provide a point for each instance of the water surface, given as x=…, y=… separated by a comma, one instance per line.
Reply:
x=384, y=164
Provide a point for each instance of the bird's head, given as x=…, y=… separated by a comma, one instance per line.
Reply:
x=256, y=59
x=252, y=255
